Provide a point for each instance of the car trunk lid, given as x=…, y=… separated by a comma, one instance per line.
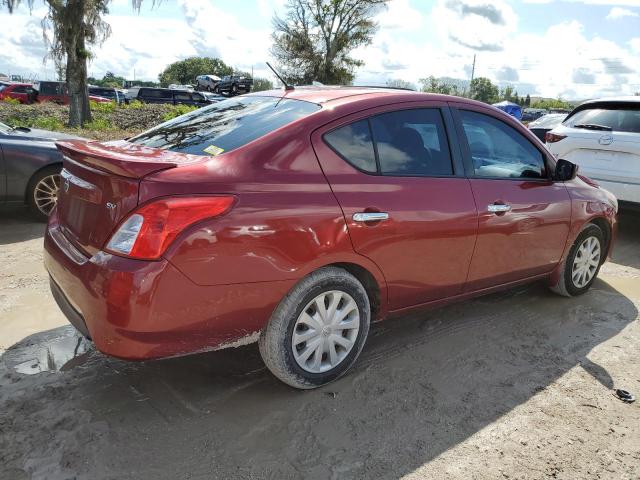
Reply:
x=100, y=184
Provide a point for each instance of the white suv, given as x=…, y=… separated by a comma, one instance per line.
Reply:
x=603, y=137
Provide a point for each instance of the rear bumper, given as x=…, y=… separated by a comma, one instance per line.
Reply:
x=141, y=310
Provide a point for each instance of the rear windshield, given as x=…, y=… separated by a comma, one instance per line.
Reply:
x=226, y=125
x=549, y=120
x=619, y=118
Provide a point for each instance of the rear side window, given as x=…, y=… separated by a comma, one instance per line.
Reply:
x=412, y=142
x=165, y=94
x=225, y=125
x=353, y=143
x=500, y=151
x=619, y=118
x=182, y=97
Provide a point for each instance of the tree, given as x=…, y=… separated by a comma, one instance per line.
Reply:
x=435, y=85
x=260, y=84
x=483, y=90
x=314, y=39
x=549, y=104
x=527, y=102
x=399, y=83
x=76, y=25
x=185, y=71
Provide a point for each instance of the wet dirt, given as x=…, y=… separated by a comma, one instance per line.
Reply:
x=519, y=384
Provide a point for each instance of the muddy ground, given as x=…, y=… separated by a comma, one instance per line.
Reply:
x=514, y=385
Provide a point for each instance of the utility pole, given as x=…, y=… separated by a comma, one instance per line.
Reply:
x=473, y=72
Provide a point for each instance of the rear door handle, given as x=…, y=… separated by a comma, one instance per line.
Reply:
x=370, y=216
x=498, y=208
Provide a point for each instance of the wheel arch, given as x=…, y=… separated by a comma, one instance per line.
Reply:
x=35, y=173
x=604, y=225
x=370, y=284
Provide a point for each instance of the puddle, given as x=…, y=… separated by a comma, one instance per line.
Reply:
x=60, y=349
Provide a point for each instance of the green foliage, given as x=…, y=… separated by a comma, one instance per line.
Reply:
x=184, y=72
x=399, y=83
x=434, y=85
x=314, y=39
x=551, y=104
x=11, y=101
x=261, y=84
x=527, y=101
x=177, y=110
x=98, y=124
x=484, y=90
x=102, y=106
x=47, y=123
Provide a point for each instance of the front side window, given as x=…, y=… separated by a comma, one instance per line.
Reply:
x=225, y=125
x=617, y=118
x=500, y=151
x=412, y=142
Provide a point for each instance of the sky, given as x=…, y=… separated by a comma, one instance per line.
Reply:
x=574, y=49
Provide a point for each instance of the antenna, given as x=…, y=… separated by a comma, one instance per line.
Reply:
x=286, y=85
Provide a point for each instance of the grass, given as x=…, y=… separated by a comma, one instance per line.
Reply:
x=110, y=121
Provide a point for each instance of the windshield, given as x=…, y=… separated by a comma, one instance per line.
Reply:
x=226, y=125
x=2, y=86
x=619, y=118
x=5, y=128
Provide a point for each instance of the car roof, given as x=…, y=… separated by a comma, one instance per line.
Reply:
x=325, y=94
x=627, y=99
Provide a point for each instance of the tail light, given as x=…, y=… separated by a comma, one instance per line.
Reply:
x=147, y=232
x=553, y=137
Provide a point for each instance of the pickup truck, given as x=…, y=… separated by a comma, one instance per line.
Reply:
x=234, y=84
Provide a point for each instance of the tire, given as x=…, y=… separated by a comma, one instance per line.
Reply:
x=571, y=283
x=41, y=186
x=208, y=88
x=216, y=89
x=277, y=339
x=234, y=89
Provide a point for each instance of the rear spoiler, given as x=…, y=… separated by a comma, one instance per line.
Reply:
x=123, y=158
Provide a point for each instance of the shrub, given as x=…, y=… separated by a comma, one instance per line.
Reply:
x=11, y=101
x=47, y=123
x=98, y=124
x=177, y=110
x=106, y=107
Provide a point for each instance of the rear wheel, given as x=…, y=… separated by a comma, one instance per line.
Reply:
x=318, y=330
x=583, y=262
x=42, y=192
x=234, y=89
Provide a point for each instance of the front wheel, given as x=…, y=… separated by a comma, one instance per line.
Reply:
x=583, y=262
x=318, y=330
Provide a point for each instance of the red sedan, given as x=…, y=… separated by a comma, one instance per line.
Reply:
x=23, y=92
x=296, y=218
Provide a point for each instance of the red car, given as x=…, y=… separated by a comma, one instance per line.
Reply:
x=296, y=218
x=58, y=92
x=23, y=92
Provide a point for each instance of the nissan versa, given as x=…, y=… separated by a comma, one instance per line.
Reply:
x=296, y=218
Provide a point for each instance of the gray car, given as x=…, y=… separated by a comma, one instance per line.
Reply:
x=30, y=167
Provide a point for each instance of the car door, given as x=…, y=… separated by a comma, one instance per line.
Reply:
x=523, y=216
x=406, y=202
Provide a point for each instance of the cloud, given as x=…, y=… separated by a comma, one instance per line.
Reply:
x=485, y=10
x=618, y=12
x=507, y=74
x=616, y=66
x=583, y=76
x=475, y=24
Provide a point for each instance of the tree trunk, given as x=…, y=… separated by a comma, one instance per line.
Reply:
x=74, y=44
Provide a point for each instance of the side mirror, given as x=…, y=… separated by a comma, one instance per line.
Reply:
x=565, y=171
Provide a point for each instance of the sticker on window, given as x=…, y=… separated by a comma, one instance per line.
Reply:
x=213, y=150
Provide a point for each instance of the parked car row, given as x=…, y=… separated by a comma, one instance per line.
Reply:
x=229, y=84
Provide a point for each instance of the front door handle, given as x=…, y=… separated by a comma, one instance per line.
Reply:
x=370, y=216
x=498, y=208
